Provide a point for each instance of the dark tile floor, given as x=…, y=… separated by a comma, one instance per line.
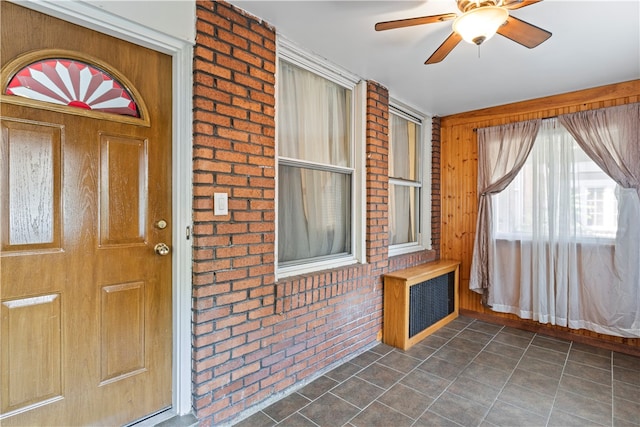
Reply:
x=469, y=373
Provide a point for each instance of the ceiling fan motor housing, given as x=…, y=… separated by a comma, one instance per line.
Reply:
x=467, y=5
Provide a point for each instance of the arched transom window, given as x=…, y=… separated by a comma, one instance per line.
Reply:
x=74, y=83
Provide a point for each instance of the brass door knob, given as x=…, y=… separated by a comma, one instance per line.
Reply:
x=162, y=249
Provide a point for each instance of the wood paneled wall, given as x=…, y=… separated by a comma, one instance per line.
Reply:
x=459, y=199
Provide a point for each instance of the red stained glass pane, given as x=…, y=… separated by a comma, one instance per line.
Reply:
x=73, y=83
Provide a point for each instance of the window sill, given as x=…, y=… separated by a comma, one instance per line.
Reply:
x=406, y=248
x=585, y=241
x=314, y=267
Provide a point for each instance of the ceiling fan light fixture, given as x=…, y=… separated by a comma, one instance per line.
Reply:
x=480, y=24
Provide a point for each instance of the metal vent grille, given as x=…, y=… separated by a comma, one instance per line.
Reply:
x=430, y=301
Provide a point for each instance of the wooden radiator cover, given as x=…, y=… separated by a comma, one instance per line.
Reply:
x=397, y=301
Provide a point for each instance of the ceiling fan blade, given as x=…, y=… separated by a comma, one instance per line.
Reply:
x=522, y=32
x=517, y=4
x=401, y=23
x=445, y=48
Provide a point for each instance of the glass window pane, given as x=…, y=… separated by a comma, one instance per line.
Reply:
x=403, y=218
x=531, y=200
x=314, y=117
x=403, y=155
x=314, y=213
x=73, y=83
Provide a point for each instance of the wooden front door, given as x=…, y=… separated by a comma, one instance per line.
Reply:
x=85, y=197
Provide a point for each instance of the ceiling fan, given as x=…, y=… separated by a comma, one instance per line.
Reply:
x=479, y=21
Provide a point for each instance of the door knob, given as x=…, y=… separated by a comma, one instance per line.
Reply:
x=162, y=249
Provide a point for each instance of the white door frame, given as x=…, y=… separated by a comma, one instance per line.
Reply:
x=181, y=51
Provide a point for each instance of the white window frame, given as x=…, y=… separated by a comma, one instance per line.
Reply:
x=423, y=241
x=290, y=52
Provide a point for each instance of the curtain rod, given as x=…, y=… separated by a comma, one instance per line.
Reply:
x=575, y=112
x=519, y=121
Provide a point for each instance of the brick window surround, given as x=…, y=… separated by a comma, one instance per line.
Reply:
x=254, y=337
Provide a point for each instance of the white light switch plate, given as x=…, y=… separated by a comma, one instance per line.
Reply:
x=220, y=205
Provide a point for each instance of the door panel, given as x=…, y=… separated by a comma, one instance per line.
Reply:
x=31, y=356
x=85, y=303
x=122, y=330
x=123, y=190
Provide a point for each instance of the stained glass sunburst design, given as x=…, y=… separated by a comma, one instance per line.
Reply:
x=73, y=83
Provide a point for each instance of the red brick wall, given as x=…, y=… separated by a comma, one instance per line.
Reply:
x=254, y=337
x=377, y=164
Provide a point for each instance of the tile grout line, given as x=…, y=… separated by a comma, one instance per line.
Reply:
x=613, y=413
x=447, y=387
x=369, y=382
x=457, y=375
x=555, y=396
x=404, y=376
x=406, y=360
x=355, y=375
x=298, y=412
x=510, y=374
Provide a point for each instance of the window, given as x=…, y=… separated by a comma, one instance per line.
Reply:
x=569, y=255
x=595, y=206
x=74, y=83
x=319, y=172
x=408, y=200
x=557, y=181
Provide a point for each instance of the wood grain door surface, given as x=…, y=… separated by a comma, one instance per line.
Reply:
x=85, y=310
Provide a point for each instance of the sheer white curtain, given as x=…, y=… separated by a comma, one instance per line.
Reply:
x=558, y=264
x=313, y=136
x=611, y=138
x=402, y=165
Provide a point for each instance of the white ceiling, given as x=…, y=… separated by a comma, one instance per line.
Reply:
x=594, y=43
